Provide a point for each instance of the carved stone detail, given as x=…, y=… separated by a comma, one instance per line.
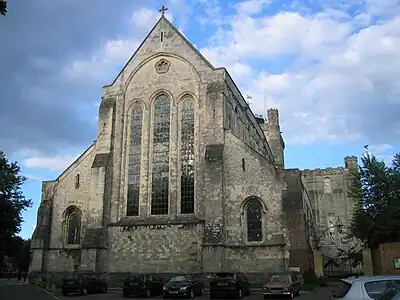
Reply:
x=162, y=66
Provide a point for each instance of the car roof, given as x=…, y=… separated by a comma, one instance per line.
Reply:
x=366, y=278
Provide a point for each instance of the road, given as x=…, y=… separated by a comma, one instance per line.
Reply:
x=16, y=291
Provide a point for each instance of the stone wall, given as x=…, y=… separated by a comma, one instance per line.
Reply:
x=328, y=192
x=66, y=195
x=248, y=174
x=174, y=248
x=299, y=224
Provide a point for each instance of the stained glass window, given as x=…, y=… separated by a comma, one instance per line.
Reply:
x=254, y=221
x=74, y=227
x=160, y=156
x=187, y=157
x=135, y=149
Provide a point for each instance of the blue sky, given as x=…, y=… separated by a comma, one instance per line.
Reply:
x=331, y=67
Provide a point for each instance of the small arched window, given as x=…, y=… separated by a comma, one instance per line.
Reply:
x=327, y=185
x=254, y=221
x=73, y=227
x=77, y=181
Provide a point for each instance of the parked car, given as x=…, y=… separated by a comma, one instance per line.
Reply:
x=285, y=284
x=229, y=284
x=365, y=287
x=183, y=286
x=83, y=284
x=143, y=285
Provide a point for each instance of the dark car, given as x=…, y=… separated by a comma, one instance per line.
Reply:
x=83, y=284
x=229, y=284
x=143, y=284
x=183, y=286
x=285, y=284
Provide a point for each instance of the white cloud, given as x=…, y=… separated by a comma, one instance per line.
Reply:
x=56, y=163
x=101, y=64
x=332, y=73
x=251, y=6
x=383, y=152
x=338, y=76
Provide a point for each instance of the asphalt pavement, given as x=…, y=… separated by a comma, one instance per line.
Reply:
x=13, y=290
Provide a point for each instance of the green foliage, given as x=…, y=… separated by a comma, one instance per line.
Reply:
x=3, y=7
x=12, y=201
x=375, y=188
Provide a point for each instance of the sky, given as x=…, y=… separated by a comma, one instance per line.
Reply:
x=331, y=67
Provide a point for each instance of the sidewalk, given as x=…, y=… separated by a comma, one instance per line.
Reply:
x=12, y=281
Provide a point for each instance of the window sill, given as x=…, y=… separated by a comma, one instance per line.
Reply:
x=72, y=246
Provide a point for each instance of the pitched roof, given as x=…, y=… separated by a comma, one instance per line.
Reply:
x=168, y=23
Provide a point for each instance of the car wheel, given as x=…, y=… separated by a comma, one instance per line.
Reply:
x=291, y=296
x=84, y=292
x=191, y=295
x=298, y=293
x=249, y=291
x=240, y=294
x=148, y=293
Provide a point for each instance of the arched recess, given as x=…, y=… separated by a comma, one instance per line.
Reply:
x=187, y=155
x=154, y=58
x=327, y=185
x=161, y=108
x=134, y=161
x=73, y=225
x=253, y=210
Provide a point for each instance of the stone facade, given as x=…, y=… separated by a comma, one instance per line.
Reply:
x=332, y=206
x=234, y=167
x=106, y=214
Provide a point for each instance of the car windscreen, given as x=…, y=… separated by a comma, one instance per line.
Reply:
x=280, y=278
x=224, y=275
x=180, y=278
x=70, y=277
x=136, y=278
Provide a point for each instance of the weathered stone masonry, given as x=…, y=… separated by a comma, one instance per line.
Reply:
x=238, y=220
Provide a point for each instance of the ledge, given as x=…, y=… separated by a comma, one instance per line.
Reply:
x=134, y=221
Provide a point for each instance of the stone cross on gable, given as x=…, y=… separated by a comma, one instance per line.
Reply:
x=162, y=10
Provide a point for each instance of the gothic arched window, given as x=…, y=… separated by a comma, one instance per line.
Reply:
x=160, y=156
x=73, y=226
x=254, y=221
x=187, y=157
x=135, y=150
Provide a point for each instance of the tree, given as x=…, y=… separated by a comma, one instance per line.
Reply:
x=12, y=200
x=375, y=187
x=3, y=7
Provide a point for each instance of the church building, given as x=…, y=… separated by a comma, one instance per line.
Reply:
x=182, y=177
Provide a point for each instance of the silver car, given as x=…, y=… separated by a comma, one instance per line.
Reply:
x=365, y=287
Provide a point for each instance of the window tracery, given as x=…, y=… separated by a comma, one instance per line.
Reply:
x=254, y=213
x=187, y=157
x=73, y=226
x=132, y=207
x=160, y=156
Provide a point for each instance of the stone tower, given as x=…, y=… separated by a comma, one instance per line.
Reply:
x=272, y=132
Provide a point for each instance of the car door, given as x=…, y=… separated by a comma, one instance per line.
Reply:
x=94, y=283
x=374, y=289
